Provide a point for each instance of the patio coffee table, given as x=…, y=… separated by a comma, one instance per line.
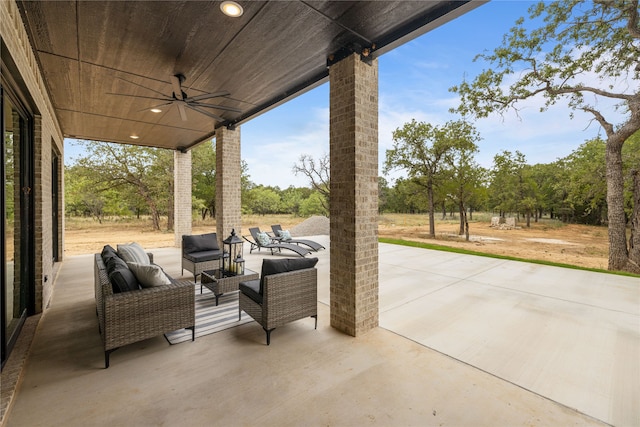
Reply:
x=218, y=283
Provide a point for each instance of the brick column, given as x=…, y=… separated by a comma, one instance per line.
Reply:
x=353, y=152
x=228, y=173
x=182, y=208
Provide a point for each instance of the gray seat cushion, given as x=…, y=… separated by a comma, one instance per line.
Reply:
x=251, y=289
x=203, y=256
x=200, y=243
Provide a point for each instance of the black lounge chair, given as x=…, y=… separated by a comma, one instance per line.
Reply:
x=273, y=244
x=277, y=229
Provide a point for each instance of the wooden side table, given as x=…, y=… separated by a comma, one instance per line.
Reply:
x=218, y=283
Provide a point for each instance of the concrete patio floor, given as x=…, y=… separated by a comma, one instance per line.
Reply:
x=463, y=340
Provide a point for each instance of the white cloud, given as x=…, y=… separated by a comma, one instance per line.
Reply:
x=271, y=156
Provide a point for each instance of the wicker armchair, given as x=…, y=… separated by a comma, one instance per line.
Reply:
x=128, y=317
x=200, y=253
x=277, y=299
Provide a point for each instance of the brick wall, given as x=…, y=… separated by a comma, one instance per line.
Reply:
x=354, y=195
x=228, y=173
x=182, y=195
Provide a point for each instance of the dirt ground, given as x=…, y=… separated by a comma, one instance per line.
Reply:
x=580, y=245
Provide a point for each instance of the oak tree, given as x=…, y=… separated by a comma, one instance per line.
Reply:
x=425, y=152
x=584, y=52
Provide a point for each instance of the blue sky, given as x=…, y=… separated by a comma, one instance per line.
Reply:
x=413, y=83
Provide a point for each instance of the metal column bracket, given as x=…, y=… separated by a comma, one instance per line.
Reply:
x=365, y=52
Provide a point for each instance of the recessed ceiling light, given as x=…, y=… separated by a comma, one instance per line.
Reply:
x=134, y=137
x=231, y=8
x=156, y=110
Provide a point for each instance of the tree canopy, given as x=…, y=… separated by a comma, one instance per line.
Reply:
x=424, y=151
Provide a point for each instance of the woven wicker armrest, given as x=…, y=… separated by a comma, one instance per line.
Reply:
x=137, y=315
x=290, y=296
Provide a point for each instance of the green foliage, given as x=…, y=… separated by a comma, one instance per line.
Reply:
x=407, y=197
x=203, y=175
x=587, y=181
x=292, y=198
x=313, y=205
x=122, y=180
x=138, y=178
x=261, y=200
x=510, y=184
x=551, y=191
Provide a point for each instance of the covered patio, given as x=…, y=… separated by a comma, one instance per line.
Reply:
x=405, y=337
x=175, y=74
x=463, y=340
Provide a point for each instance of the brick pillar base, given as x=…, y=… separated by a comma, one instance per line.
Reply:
x=183, y=218
x=354, y=195
x=228, y=173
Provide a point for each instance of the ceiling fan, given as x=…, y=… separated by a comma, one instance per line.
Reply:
x=180, y=99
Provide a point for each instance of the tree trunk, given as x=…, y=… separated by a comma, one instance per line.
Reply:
x=618, y=253
x=432, y=217
x=170, y=207
x=634, y=239
x=463, y=217
x=528, y=219
x=466, y=227
x=444, y=211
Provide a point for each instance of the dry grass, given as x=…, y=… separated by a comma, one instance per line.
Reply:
x=548, y=240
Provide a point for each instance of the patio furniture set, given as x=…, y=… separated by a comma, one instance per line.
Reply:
x=137, y=300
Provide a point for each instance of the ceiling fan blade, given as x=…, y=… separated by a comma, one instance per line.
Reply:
x=206, y=113
x=176, y=83
x=141, y=96
x=219, y=107
x=183, y=111
x=139, y=85
x=208, y=96
x=156, y=106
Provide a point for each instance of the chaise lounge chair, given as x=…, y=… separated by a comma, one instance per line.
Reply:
x=277, y=231
x=259, y=242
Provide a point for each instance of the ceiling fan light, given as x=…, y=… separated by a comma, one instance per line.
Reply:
x=156, y=110
x=231, y=8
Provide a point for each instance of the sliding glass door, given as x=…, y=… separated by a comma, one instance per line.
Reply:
x=17, y=225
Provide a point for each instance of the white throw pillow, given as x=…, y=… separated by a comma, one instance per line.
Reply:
x=285, y=235
x=133, y=252
x=263, y=239
x=149, y=275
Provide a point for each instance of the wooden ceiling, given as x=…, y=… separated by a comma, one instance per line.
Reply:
x=94, y=54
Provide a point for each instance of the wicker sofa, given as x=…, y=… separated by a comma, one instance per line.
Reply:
x=286, y=291
x=136, y=315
